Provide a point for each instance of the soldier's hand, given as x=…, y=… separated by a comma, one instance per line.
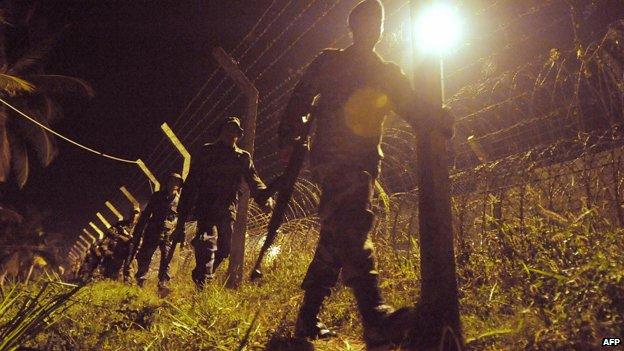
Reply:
x=182, y=244
x=446, y=122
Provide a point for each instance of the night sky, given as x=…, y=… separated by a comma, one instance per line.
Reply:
x=147, y=59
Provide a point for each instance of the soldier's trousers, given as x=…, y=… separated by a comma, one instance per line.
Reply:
x=344, y=243
x=212, y=246
x=118, y=261
x=144, y=258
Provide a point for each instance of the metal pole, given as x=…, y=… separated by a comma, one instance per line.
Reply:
x=237, y=254
x=114, y=210
x=149, y=174
x=186, y=156
x=439, y=297
x=91, y=236
x=103, y=220
x=130, y=198
x=97, y=230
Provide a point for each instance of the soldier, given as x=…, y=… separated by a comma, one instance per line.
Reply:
x=121, y=233
x=353, y=89
x=92, y=260
x=155, y=226
x=211, y=195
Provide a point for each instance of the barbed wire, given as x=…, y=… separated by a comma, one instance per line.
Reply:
x=517, y=109
x=61, y=136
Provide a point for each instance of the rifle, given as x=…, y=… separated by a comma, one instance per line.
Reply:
x=178, y=237
x=284, y=185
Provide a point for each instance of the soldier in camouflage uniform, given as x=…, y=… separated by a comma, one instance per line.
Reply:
x=121, y=235
x=211, y=195
x=155, y=226
x=354, y=89
x=92, y=260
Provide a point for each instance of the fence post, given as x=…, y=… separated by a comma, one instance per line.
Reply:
x=93, y=239
x=439, y=296
x=103, y=220
x=114, y=210
x=83, y=248
x=237, y=254
x=97, y=230
x=149, y=174
x=186, y=156
x=130, y=198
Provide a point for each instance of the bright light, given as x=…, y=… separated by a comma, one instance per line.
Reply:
x=438, y=28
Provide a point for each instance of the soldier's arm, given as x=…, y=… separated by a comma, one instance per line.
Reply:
x=143, y=219
x=406, y=103
x=189, y=193
x=291, y=123
x=256, y=186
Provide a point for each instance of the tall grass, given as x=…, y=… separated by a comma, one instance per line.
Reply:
x=545, y=286
x=27, y=311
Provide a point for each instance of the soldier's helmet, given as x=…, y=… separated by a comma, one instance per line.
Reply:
x=176, y=177
x=232, y=121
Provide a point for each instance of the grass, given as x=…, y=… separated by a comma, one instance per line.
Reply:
x=549, y=286
x=27, y=311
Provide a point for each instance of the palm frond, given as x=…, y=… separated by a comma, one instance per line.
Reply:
x=3, y=17
x=8, y=215
x=42, y=142
x=53, y=84
x=40, y=107
x=13, y=85
x=34, y=56
x=19, y=160
x=44, y=145
x=5, y=153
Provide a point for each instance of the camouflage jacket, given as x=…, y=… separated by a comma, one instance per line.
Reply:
x=121, y=231
x=212, y=188
x=357, y=91
x=158, y=219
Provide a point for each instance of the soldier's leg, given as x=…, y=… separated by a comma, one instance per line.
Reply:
x=108, y=266
x=224, y=241
x=122, y=256
x=321, y=276
x=322, y=273
x=353, y=221
x=165, y=260
x=205, y=246
x=144, y=258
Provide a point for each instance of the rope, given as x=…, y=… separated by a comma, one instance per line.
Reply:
x=64, y=137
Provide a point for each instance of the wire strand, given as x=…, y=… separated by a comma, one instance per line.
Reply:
x=48, y=129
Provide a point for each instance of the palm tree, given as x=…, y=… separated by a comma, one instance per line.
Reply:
x=23, y=80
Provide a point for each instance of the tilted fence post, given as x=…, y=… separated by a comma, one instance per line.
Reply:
x=237, y=254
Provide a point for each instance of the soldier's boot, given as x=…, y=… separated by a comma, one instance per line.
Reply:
x=374, y=312
x=141, y=283
x=217, y=262
x=308, y=325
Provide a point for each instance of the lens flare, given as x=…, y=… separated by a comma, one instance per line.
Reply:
x=438, y=28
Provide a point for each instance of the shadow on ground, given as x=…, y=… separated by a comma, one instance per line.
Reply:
x=285, y=343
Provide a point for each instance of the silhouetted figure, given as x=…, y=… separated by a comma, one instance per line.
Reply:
x=355, y=89
x=118, y=260
x=155, y=227
x=211, y=195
